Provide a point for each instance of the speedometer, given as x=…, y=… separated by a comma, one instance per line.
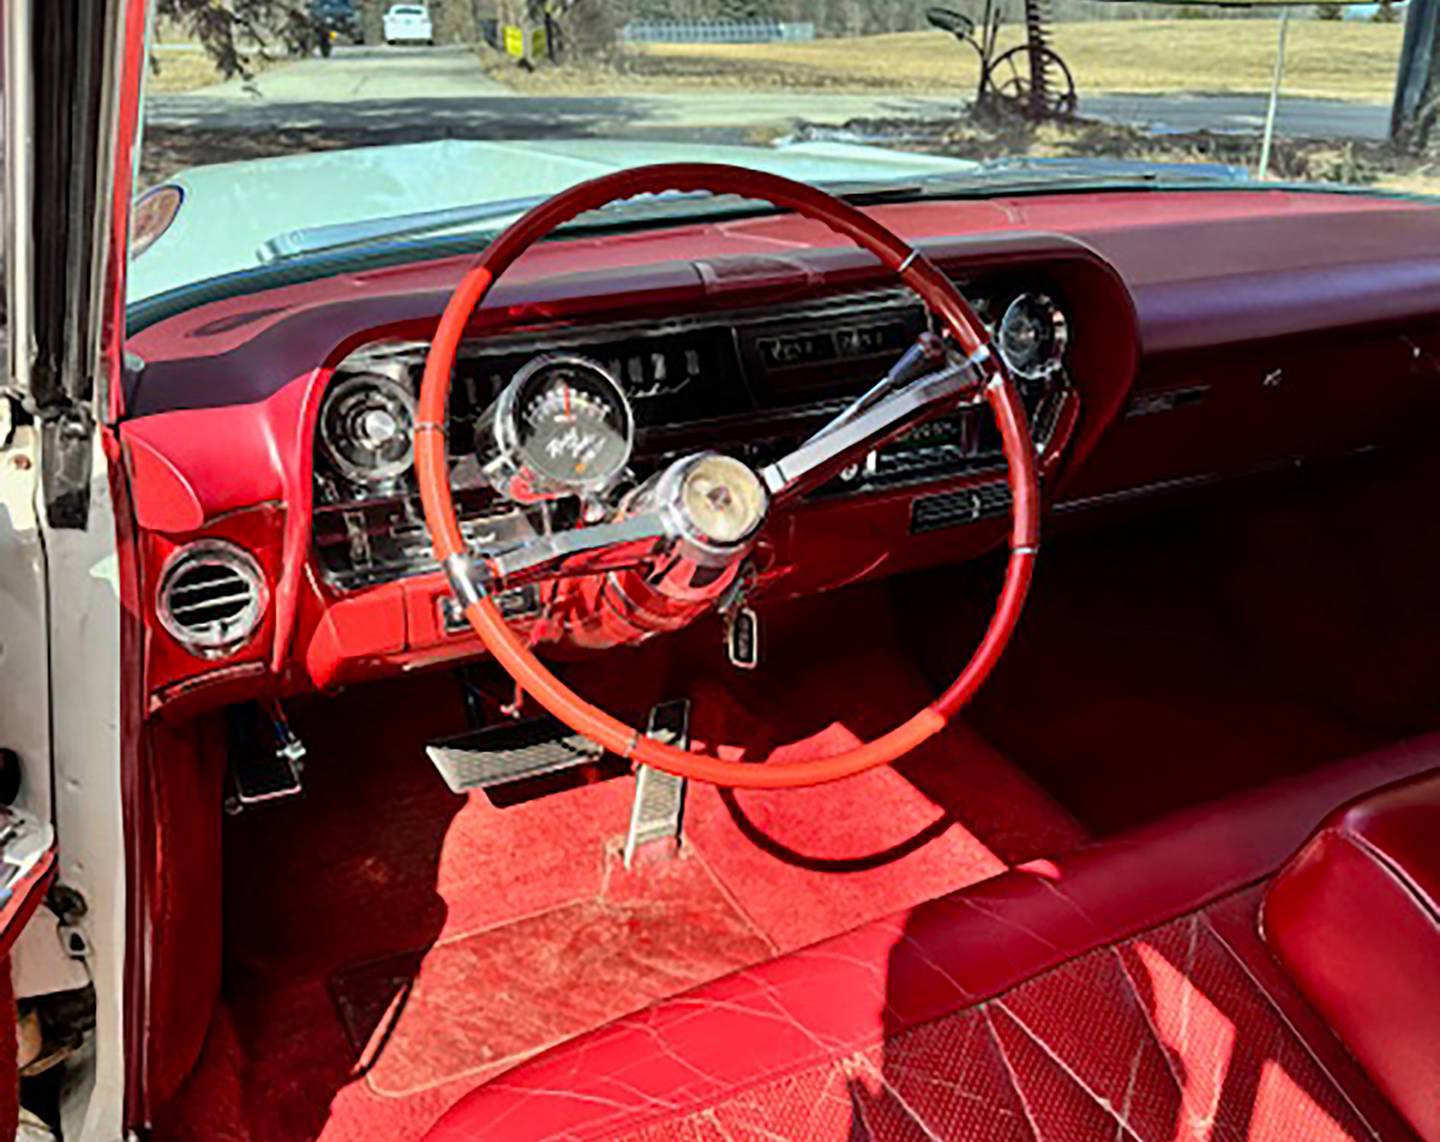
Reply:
x=1032, y=337
x=563, y=426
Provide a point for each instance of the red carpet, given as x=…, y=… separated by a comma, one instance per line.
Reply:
x=390, y=944
x=1155, y=667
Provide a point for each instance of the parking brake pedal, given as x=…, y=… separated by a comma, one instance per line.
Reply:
x=659, y=808
x=267, y=757
x=510, y=751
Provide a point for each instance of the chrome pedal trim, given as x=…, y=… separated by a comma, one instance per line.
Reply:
x=658, y=811
x=512, y=751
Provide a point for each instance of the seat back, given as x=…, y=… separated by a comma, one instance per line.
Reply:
x=1354, y=918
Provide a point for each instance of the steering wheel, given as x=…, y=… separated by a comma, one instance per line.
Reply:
x=975, y=376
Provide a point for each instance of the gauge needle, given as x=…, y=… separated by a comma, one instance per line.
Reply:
x=567, y=402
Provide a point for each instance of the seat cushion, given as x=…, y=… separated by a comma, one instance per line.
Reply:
x=1355, y=919
x=1117, y=988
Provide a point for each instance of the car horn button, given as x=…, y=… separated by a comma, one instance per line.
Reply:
x=722, y=499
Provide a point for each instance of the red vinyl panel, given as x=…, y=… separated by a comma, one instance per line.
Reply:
x=1355, y=918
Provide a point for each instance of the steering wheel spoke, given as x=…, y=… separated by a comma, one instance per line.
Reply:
x=627, y=542
x=898, y=401
x=614, y=546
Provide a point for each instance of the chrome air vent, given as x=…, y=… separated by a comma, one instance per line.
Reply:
x=953, y=509
x=212, y=598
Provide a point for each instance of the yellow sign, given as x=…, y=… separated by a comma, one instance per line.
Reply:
x=538, y=47
x=514, y=41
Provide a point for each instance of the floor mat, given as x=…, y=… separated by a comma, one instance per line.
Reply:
x=389, y=944
x=476, y=1004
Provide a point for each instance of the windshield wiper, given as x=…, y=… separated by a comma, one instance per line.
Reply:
x=315, y=239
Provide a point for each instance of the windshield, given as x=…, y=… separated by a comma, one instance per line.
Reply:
x=304, y=135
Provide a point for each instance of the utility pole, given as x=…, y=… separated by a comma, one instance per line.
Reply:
x=1417, y=88
x=1277, y=76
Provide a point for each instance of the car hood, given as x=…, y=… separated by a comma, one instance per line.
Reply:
x=230, y=210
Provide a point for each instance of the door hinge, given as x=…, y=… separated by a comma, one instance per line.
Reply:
x=66, y=451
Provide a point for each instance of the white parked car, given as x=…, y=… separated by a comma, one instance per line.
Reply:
x=408, y=24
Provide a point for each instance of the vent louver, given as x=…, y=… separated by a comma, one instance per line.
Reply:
x=212, y=597
x=953, y=509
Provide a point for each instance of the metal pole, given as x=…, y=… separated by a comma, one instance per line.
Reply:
x=1275, y=77
x=1413, y=110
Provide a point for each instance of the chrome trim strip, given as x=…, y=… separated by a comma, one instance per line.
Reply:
x=465, y=580
x=19, y=187
x=543, y=339
x=1139, y=491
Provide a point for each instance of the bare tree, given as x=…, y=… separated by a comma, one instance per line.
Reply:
x=235, y=32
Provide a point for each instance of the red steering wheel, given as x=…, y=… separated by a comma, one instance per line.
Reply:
x=432, y=465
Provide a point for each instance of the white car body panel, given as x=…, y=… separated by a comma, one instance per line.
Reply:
x=86, y=746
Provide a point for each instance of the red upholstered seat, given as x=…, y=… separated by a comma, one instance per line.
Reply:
x=1355, y=919
x=1121, y=991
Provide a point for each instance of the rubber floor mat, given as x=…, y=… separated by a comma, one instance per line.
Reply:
x=476, y=1004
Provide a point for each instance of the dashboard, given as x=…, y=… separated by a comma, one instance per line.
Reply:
x=1173, y=339
x=746, y=384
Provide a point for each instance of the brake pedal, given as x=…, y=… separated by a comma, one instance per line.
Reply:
x=510, y=751
x=658, y=811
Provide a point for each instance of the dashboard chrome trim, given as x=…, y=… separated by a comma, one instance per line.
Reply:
x=544, y=339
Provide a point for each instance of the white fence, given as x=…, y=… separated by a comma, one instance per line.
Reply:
x=714, y=32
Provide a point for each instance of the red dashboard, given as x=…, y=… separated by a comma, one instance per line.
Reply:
x=1210, y=334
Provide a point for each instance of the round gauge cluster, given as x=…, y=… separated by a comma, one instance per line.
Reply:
x=367, y=428
x=563, y=426
x=1032, y=336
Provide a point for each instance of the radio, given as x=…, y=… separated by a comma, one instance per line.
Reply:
x=960, y=444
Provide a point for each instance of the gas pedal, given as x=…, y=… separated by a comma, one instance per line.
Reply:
x=510, y=751
x=658, y=811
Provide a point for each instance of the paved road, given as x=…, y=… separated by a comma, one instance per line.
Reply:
x=441, y=92
x=442, y=89
x=1317, y=118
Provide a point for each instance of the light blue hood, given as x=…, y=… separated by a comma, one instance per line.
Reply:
x=230, y=210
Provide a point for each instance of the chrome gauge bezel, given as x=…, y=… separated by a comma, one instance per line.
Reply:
x=511, y=471
x=386, y=473
x=1060, y=332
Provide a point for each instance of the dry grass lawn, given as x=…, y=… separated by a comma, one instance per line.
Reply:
x=184, y=66
x=1340, y=60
